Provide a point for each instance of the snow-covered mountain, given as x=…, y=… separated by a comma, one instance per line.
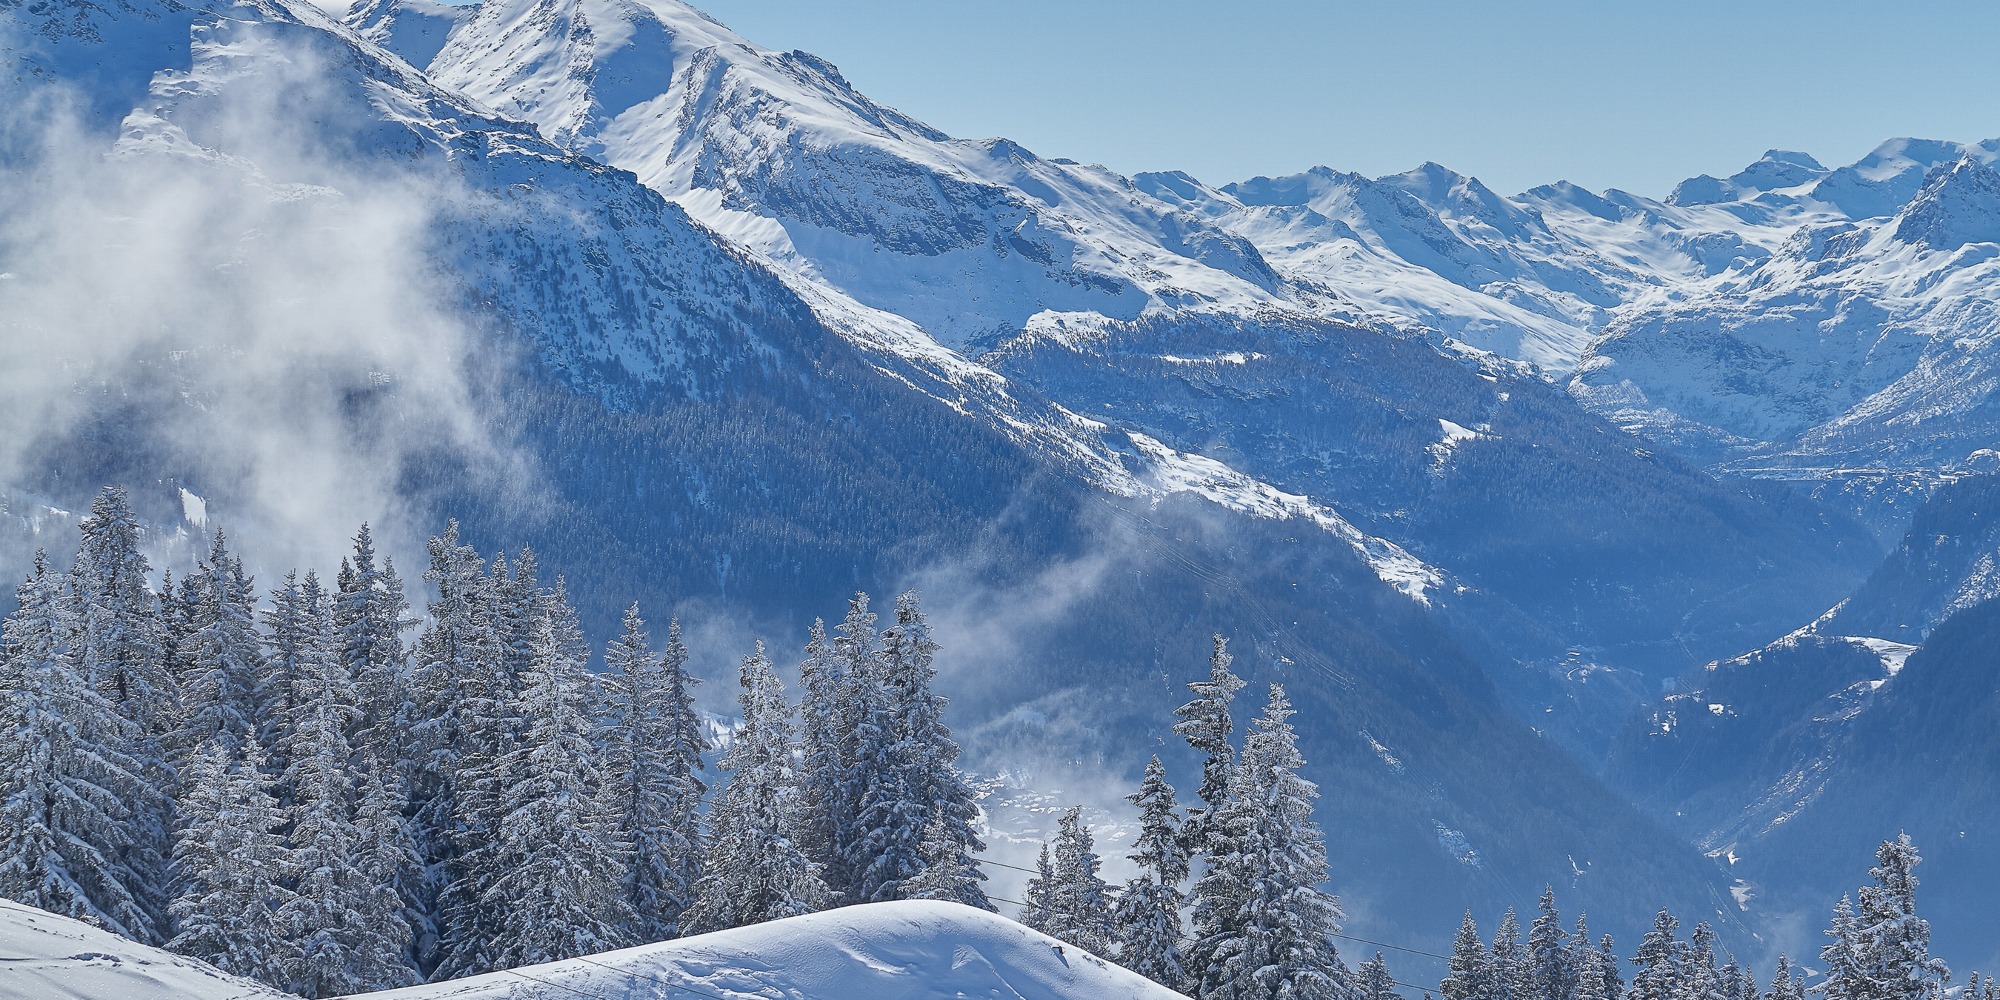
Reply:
x=1239, y=304
x=1857, y=356
x=968, y=239
x=750, y=340
x=668, y=412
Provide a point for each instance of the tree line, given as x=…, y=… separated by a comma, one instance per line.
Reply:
x=299, y=793
x=316, y=790
x=1256, y=924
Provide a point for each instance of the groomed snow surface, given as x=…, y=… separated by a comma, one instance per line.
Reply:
x=883, y=951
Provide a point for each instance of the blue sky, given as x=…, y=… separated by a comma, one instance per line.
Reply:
x=1604, y=93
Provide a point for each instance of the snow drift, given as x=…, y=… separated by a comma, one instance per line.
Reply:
x=883, y=951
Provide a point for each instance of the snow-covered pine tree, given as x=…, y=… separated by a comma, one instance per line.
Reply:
x=915, y=777
x=1373, y=982
x=1608, y=967
x=370, y=616
x=1513, y=977
x=649, y=774
x=178, y=601
x=1077, y=900
x=1035, y=897
x=447, y=665
x=230, y=865
x=1842, y=955
x=117, y=626
x=1882, y=951
x=1148, y=913
x=756, y=871
x=947, y=876
x=822, y=767
x=686, y=733
x=222, y=695
x=1586, y=966
x=384, y=950
x=1658, y=960
x=863, y=738
x=67, y=786
x=116, y=643
x=488, y=719
x=344, y=938
x=559, y=890
x=318, y=780
x=1469, y=973
x=1786, y=982
x=294, y=640
x=1206, y=725
x=1700, y=979
x=1278, y=943
x=1732, y=981
x=1549, y=955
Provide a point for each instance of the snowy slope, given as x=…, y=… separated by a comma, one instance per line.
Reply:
x=968, y=239
x=1861, y=353
x=881, y=951
x=47, y=957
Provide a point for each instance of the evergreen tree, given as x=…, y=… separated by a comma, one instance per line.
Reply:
x=1593, y=971
x=1659, y=976
x=116, y=643
x=650, y=769
x=1887, y=943
x=1513, y=976
x=1277, y=942
x=1550, y=957
x=686, y=734
x=1734, y=983
x=294, y=643
x=1786, y=983
x=907, y=769
x=67, y=786
x=449, y=671
x=823, y=767
x=1148, y=914
x=370, y=616
x=344, y=916
x=1374, y=982
x=756, y=871
x=1206, y=725
x=1699, y=977
x=1842, y=955
x=1035, y=898
x=1077, y=901
x=223, y=695
x=559, y=888
x=947, y=876
x=229, y=866
x=1469, y=974
x=383, y=952
x=1607, y=966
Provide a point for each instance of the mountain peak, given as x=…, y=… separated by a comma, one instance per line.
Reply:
x=1775, y=170
x=1792, y=158
x=1958, y=204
